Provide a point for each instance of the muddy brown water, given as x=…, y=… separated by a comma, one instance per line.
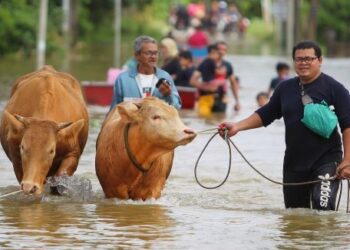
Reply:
x=247, y=212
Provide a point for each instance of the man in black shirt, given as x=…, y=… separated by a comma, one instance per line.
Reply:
x=220, y=106
x=205, y=80
x=187, y=68
x=308, y=156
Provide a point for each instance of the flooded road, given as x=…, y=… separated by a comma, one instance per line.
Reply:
x=246, y=212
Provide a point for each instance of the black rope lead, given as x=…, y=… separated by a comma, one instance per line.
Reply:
x=200, y=156
x=229, y=141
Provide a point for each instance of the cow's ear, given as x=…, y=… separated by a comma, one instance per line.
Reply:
x=63, y=125
x=69, y=130
x=129, y=111
x=16, y=122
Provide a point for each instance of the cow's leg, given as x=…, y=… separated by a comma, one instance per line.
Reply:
x=121, y=192
x=68, y=166
x=147, y=190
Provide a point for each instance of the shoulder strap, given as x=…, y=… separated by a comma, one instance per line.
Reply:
x=305, y=98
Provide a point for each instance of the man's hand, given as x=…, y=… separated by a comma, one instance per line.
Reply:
x=343, y=170
x=164, y=88
x=237, y=106
x=231, y=129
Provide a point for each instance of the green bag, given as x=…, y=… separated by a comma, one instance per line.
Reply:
x=320, y=118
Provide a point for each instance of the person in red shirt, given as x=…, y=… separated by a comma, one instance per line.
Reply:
x=198, y=42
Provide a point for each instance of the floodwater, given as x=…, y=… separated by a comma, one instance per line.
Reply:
x=247, y=212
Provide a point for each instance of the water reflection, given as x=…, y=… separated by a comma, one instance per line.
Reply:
x=38, y=224
x=134, y=224
x=313, y=229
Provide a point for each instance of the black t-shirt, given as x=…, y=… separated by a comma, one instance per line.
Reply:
x=207, y=69
x=184, y=76
x=305, y=150
x=229, y=68
x=173, y=66
x=274, y=82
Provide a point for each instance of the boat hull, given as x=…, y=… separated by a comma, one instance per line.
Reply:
x=100, y=93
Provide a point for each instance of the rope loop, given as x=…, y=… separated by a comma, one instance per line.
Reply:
x=200, y=156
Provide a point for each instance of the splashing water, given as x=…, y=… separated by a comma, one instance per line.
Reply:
x=79, y=188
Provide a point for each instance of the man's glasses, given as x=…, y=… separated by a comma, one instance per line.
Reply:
x=307, y=59
x=150, y=53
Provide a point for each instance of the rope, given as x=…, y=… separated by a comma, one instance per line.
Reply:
x=229, y=141
x=278, y=182
x=200, y=156
x=131, y=156
x=9, y=194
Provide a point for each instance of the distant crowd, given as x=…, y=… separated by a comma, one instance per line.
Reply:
x=218, y=21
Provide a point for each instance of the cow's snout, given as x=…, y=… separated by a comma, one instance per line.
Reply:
x=30, y=188
x=190, y=135
x=189, y=131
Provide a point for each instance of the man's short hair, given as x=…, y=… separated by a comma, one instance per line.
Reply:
x=212, y=47
x=186, y=54
x=262, y=94
x=139, y=41
x=281, y=66
x=308, y=45
x=222, y=43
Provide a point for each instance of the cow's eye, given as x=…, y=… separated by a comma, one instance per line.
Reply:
x=52, y=151
x=156, y=117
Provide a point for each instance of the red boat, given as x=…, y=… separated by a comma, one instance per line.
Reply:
x=101, y=93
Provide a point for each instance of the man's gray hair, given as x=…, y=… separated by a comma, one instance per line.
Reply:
x=141, y=40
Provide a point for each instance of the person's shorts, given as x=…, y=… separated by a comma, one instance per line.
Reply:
x=205, y=105
x=321, y=195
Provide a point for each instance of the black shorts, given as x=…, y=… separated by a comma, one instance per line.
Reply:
x=321, y=195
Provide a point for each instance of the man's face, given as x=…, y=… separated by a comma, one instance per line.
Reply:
x=184, y=62
x=214, y=55
x=307, y=65
x=222, y=49
x=148, y=56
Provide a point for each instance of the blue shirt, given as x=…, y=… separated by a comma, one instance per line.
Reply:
x=126, y=86
x=306, y=150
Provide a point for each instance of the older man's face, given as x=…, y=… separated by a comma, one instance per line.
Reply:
x=148, y=56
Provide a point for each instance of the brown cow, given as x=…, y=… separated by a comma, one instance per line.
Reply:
x=44, y=127
x=135, y=148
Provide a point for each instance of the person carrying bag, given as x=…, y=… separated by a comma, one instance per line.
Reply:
x=318, y=117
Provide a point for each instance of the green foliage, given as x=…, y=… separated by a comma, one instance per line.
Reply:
x=259, y=31
x=334, y=15
x=250, y=9
x=17, y=22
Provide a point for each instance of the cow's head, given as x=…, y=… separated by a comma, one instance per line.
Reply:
x=159, y=122
x=38, y=141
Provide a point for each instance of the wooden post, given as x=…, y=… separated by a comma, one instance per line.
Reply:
x=117, y=31
x=41, y=41
x=66, y=34
x=290, y=27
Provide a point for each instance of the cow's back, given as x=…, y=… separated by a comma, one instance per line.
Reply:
x=50, y=95
x=47, y=94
